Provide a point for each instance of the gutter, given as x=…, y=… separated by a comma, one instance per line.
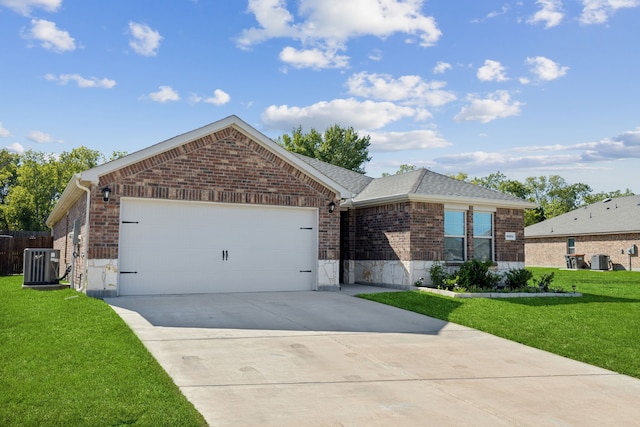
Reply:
x=85, y=249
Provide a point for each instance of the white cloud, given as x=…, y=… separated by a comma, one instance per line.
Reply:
x=552, y=158
x=274, y=20
x=41, y=137
x=546, y=69
x=497, y=105
x=164, y=94
x=313, y=58
x=50, y=37
x=329, y=24
x=623, y=146
x=550, y=13
x=16, y=147
x=219, y=97
x=4, y=133
x=82, y=82
x=492, y=161
x=145, y=41
x=347, y=112
x=24, y=7
x=599, y=11
x=504, y=10
x=375, y=55
x=410, y=89
x=412, y=140
x=492, y=71
x=441, y=67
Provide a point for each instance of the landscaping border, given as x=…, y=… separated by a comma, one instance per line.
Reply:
x=498, y=294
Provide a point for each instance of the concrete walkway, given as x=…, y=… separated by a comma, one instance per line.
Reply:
x=329, y=359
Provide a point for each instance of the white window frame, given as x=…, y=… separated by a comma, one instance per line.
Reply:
x=463, y=236
x=491, y=238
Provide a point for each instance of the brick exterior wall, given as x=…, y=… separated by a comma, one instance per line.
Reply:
x=224, y=167
x=411, y=231
x=62, y=233
x=383, y=232
x=508, y=221
x=550, y=251
x=427, y=231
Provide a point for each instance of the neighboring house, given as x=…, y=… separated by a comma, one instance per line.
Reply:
x=224, y=208
x=610, y=228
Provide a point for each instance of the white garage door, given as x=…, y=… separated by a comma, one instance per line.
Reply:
x=169, y=247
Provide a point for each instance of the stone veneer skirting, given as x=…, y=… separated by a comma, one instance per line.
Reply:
x=102, y=277
x=404, y=274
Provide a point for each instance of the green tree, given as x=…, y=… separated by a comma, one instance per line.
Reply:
x=41, y=179
x=8, y=172
x=597, y=197
x=555, y=196
x=337, y=145
x=460, y=176
x=404, y=168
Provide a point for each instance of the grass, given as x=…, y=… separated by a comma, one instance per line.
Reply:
x=601, y=328
x=69, y=360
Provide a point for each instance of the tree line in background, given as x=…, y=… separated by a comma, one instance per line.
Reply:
x=31, y=183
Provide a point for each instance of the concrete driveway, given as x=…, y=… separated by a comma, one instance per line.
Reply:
x=329, y=359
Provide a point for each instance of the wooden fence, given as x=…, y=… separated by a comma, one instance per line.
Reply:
x=13, y=244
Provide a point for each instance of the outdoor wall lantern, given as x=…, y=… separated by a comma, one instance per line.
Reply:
x=106, y=192
x=332, y=206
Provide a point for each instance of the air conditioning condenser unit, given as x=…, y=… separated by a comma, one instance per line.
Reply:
x=41, y=266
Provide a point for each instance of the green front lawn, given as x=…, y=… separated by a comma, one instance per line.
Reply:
x=601, y=328
x=69, y=360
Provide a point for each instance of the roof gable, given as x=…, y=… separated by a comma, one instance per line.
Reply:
x=90, y=177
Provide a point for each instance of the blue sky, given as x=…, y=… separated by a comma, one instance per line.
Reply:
x=528, y=88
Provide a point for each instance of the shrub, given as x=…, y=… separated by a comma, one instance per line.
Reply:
x=543, y=282
x=517, y=278
x=476, y=273
x=438, y=274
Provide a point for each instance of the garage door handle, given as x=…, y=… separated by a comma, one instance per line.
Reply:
x=225, y=255
x=306, y=271
x=128, y=272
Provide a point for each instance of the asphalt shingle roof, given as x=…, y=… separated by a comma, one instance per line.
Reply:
x=352, y=181
x=421, y=182
x=619, y=215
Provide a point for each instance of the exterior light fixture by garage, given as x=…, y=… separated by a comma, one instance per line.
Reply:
x=106, y=192
x=332, y=206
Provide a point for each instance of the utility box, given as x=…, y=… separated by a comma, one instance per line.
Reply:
x=41, y=266
x=574, y=261
x=599, y=262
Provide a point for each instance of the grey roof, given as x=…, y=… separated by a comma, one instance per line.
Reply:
x=421, y=184
x=611, y=216
x=428, y=185
x=352, y=181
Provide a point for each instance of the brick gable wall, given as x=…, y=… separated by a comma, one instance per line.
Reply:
x=224, y=167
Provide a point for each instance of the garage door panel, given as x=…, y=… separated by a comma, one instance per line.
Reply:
x=180, y=247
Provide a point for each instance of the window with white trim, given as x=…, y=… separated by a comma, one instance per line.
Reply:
x=571, y=245
x=483, y=236
x=454, y=235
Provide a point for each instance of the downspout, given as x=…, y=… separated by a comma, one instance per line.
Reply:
x=85, y=249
